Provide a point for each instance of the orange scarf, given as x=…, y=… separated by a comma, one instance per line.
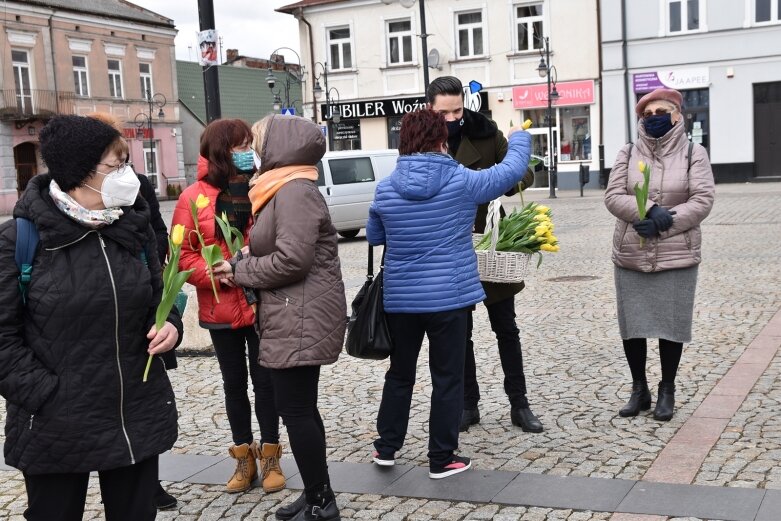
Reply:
x=269, y=183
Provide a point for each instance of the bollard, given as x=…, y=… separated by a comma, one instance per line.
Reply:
x=584, y=176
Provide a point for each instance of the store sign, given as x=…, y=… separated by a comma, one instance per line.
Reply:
x=679, y=79
x=346, y=130
x=385, y=108
x=570, y=93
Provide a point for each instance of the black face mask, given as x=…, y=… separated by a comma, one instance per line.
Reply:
x=454, y=127
x=657, y=126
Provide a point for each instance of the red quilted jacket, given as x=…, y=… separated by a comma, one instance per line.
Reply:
x=233, y=309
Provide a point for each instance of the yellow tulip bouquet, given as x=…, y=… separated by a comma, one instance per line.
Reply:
x=212, y=254
x=173, y=280
x=641, y=192
x=529, y=230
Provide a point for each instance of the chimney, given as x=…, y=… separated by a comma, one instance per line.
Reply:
x=232, y=54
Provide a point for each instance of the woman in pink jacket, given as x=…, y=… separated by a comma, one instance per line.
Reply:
x=656, y=258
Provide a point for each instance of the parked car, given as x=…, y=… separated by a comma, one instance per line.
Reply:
x=347, y=180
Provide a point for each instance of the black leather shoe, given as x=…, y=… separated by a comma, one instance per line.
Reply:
x=164, y=500
x=665, y=403
x=327, y=512
x=287, y=512
x=640, y=400
x=469, y=417
x=524, y=418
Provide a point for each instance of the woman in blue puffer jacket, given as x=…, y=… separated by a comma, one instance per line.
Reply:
x=424, y=213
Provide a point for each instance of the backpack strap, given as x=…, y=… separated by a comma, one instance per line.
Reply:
x=26, y=246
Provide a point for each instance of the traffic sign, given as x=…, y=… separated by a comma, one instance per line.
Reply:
x=288, y=111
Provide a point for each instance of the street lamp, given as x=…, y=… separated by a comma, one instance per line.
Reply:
x=145, y=120
x=546, y=70
x=423, y=35
x=331, y=112
x=290, y=79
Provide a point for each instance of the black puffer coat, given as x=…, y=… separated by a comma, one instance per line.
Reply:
x=72, y=359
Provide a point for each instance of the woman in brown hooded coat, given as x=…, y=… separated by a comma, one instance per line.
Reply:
x=293, y=265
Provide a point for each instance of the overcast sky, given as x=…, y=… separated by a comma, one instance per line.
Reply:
x=251, y=26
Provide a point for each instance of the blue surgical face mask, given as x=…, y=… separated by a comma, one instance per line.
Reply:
x=244, y=161
x=454, y=127
x=658, y=126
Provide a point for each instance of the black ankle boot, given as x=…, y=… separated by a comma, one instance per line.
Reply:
x=524, y=418
x=470, y=416
x=639, y=401
x=322, y=509
x=665, y=403
x=287, y=512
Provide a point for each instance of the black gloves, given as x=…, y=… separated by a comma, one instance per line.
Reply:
x=646, y=228
x=661, y=216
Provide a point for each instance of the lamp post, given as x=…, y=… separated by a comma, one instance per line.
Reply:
x=548, y=71
x=143, y=119
x=423, y=35
x=318, y=92
x=286, y=84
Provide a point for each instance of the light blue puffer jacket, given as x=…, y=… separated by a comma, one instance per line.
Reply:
x=424, y=213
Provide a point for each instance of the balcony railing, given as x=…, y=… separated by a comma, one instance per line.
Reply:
x=34, y=103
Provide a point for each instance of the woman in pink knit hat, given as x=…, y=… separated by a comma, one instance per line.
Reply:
x=656, y=258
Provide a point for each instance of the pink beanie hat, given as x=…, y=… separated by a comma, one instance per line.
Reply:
x=671, y=95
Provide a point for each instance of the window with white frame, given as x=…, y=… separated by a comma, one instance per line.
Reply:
x=469, y=34
x=684, y=15
x=20, y=60
x=115, y=78
x=150, y=161
x=399, y=42
x=145, y=69
x=767, y=11
x=340, y=48
x=80, y=75
x=529, y=26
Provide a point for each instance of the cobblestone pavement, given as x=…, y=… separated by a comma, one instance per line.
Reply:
x=576, y=376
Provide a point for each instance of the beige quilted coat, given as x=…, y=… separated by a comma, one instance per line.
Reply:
x=690, y=195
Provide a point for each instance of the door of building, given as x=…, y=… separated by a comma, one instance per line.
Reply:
x=767, y=129
x=25, y=163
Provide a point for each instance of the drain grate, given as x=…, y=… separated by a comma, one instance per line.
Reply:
x=573, y=278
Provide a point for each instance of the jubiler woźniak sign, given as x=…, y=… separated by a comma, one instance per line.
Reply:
x=382, y=108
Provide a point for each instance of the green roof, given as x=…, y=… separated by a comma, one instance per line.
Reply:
x=244, y=93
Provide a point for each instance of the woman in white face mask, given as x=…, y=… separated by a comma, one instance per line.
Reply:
x=75, y=340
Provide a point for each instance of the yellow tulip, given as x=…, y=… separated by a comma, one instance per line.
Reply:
x=641, y=166
x=201, y=202
x=552, y=239
x=527, y=124
x=555, y=248
x=541, y=218
x=541, y=209
x=547, y=247
x=177, y=234
x=540, y=230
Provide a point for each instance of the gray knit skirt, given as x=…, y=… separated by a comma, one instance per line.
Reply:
x=656, y=305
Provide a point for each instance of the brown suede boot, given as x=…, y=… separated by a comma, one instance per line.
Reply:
x=270, y=471
x=246, y=468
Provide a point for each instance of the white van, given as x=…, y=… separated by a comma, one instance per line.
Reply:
x=347, y=180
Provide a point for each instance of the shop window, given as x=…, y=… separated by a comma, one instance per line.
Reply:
x=529, y=27
x=575, y=142
x=340, y=48
x=399, y=42
x=539, y=129
x=345, y=135
x=394, y=129
x=469, y=34
x=696, y=103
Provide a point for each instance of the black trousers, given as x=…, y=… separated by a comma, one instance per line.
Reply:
x=446, y=333
x=127, y=494
x=502, y=317
x=295, y=390
x=234, y=348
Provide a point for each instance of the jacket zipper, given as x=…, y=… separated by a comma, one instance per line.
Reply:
x=661, y=186
x=32, y=417
x=116, y=340
x=70, y=243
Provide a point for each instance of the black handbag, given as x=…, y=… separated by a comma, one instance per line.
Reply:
x=368, y=336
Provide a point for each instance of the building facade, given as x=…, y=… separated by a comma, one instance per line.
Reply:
x=365, y=56
x=725, y=57
x=62, y=57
